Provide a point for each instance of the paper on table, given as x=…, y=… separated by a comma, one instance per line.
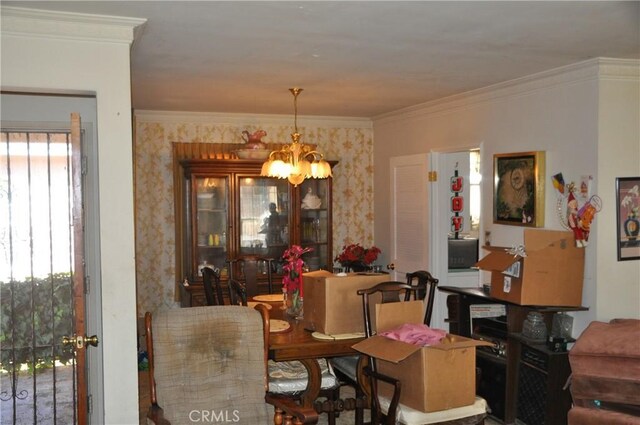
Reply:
x=269, y=297
x=325, y=337
x=276, y=325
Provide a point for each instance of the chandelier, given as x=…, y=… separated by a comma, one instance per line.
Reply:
x=296, y=161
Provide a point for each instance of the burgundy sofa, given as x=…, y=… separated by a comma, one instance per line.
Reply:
x=605, y=374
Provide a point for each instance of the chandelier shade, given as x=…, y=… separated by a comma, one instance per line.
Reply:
x=296, y=161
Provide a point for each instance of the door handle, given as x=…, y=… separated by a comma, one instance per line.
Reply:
x=80, y=341
x=391, y=266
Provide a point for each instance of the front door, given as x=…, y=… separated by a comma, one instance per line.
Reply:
x=42, y=277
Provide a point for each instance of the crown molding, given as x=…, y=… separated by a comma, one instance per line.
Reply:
x=619, y=69
x=218, y=118
x=589, y=70
x=66, y=25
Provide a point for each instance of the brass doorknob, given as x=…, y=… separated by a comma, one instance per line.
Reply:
x=391, y=266
x=80, y=342
x=91, y=340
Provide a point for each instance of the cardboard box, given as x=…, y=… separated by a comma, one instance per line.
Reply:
x=551, y=274
x=433, y=378
x=331, y=303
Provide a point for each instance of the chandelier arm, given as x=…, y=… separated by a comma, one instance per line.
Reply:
x=296, y=161
x=315, y=155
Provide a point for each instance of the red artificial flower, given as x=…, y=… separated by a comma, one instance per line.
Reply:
x=356, y=252
x=292, y=279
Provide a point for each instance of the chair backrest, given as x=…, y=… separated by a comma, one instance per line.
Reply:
x=427, y=285
x=237, y=293
x=212, y=288
x=390, y=291
x=204, y=359
x=249, y=269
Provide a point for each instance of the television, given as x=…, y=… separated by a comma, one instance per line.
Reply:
x=463, y=253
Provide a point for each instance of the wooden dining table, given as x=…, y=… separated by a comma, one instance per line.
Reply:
x=297, y=343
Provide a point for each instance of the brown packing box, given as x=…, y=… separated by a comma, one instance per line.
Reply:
x=433, y=378
x=331, y=303
x=551, y=274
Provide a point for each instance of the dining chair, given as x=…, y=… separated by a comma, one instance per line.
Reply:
x=291, y=377
x=212, y=361
x=212, y=288
x=249, y=270
x=426, y=290
x=237, y=293
x=388, y=410
x=423, y=286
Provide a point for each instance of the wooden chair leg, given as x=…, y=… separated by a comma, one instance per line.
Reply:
x=277, y=417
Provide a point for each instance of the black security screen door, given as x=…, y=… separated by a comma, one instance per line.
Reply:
x=37, y=372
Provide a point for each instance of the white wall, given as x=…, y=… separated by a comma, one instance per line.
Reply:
x=555, y=111
x=618, y=289
x=59, y=53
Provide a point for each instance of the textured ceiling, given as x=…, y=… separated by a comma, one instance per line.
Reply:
x=355, y=58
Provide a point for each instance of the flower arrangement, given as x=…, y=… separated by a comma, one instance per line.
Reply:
x=292, y=280
x=355, y=253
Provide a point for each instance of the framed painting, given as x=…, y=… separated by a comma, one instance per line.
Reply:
x=628, y=217
x=518, y=191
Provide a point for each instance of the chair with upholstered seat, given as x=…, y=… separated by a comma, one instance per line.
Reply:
x=212, y=361
x=211, y=283
x=290, y=378
x=388, y=411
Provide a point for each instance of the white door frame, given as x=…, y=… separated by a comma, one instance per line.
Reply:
x=439, y=230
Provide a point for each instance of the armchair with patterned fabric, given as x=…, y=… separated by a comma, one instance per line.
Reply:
x=209, y=362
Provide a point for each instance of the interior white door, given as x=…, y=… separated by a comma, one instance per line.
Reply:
x=409, y=214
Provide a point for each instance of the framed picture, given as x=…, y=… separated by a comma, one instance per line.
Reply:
x=628, y=217
x=518, y=191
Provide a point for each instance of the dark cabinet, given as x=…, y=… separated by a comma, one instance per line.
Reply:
x=522, y=381
x=225, y=211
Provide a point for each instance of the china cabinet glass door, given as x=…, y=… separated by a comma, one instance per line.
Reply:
x=264, y=216
x=211, y=227
x=314, y=223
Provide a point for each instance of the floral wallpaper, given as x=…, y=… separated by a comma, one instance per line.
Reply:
x=349, y=144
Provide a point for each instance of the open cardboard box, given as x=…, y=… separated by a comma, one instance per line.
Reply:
x=433, y=378
x=331, y=303
x=551, y=274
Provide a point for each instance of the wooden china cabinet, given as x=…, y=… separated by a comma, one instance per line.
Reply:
x=226, y=211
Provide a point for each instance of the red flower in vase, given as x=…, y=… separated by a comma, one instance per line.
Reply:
x=357, y=253
x=292, y=268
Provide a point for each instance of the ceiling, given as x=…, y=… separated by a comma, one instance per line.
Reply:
x=353, y=58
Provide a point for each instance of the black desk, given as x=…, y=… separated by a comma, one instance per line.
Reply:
x=532, y=376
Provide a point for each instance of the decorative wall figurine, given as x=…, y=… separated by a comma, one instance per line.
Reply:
x=574, y=217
